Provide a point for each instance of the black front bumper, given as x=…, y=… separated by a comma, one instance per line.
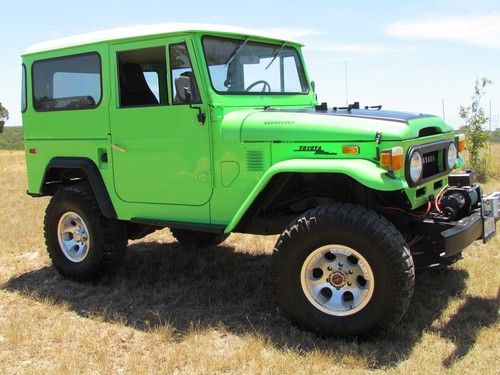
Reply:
x=437, y=240
x=461, y=234
x=451, y=237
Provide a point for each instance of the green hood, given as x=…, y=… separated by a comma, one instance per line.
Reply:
x=311, y=125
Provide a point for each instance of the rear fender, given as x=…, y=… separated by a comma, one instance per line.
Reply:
x=78, y=168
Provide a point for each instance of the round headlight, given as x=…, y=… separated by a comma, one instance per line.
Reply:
x=452, y=155
x=416, y=166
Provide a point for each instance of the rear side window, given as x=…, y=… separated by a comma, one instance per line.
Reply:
x=65, y=83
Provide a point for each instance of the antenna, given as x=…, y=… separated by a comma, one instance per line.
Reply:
x=442, y=105
x=346, y=91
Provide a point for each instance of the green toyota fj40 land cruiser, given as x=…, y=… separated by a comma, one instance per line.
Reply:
x=210, y=131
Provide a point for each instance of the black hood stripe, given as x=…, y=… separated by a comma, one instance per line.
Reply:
x=371, y=114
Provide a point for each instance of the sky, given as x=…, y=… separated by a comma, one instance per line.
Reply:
x=404, y=55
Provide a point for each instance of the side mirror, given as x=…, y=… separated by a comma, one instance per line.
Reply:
x=313, y=86
x=189, y=100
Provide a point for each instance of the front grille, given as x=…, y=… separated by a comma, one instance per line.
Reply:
x=431, y=163
x=433, y=159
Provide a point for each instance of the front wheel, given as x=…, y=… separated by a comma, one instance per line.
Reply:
x=343, y=270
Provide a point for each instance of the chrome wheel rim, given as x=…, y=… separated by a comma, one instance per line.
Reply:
x=73, y=236
x=337, y=280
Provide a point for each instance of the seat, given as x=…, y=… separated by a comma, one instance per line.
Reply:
x=134, y=89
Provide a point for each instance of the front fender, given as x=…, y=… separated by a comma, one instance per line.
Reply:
x=365, y=172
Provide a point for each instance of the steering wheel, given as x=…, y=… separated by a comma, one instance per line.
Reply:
x=264, y=84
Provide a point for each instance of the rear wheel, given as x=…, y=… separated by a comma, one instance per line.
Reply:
x=190, y=238
x=343, y=270
x=81, y=242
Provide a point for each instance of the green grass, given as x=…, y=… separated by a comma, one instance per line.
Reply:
x=12, y=138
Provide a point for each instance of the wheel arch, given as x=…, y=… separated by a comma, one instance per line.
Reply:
x=61, y=171
x=363, y=173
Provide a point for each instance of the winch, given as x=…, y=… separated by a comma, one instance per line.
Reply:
x=461, y=198
x=459, y=202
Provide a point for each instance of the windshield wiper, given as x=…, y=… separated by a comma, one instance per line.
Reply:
x=235, y=51
x=275, y=55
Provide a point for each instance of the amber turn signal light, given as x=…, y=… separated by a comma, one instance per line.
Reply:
x=392, y=159
x=460, y=141
x=350, y=150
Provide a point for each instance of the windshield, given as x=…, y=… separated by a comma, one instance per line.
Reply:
x=239, y=66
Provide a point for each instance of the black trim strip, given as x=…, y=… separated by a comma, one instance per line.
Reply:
x=211, y=228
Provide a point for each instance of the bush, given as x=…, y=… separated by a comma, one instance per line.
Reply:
x=4, y=116
x=477, y=138
x=11, y=138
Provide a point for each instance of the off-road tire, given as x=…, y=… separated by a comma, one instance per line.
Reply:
x=194, y=239
x=108, y=237
x=372, y=236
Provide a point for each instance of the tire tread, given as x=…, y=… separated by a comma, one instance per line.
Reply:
x=360, y=218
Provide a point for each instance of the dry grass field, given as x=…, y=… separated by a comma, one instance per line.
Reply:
x=213, y=311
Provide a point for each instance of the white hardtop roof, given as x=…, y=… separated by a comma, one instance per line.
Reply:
x=144, y=30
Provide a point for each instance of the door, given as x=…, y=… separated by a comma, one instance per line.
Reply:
x=161, y=152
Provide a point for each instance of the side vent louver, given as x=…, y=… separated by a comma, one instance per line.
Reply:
x=255, y=161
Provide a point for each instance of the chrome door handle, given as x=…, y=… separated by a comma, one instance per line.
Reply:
x=118, y=148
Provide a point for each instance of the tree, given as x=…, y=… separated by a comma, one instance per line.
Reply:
x=4, y=116
x=477, y=138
